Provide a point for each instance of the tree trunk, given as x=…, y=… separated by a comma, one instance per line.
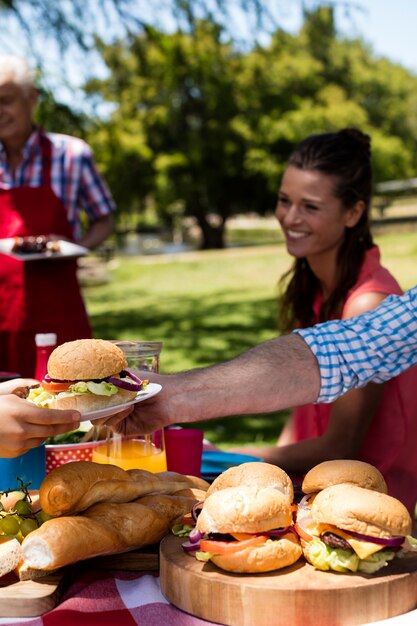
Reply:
x=213, y=229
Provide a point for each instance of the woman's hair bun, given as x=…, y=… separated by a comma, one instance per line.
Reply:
x=358, y=135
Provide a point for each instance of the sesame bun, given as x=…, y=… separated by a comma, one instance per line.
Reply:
x=360, y=510
x=339, y=471
x=267, y=557
x=86, y=359
x=244, y=510
x=254, y=474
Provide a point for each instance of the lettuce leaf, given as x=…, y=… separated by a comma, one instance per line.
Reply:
x=203, y=556
x=181, y=530
x=99, y=389
x=325, y=558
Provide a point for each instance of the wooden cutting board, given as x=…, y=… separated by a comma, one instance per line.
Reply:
x=298, y=595
x=31, y=598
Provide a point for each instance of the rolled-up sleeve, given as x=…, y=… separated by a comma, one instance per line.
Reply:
x=373, y=347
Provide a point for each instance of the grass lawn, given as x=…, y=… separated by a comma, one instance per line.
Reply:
x=209, y=306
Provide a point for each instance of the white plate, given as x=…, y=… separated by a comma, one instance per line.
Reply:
x=151, y=390
x=68, y=250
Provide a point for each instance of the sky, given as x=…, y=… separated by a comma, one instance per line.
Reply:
x=389, y=26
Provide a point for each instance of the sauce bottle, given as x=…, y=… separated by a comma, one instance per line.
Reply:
x=45, y=344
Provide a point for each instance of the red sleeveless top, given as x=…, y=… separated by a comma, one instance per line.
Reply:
x=390, y=443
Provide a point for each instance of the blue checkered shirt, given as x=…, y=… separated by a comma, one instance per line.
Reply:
x=373, y=347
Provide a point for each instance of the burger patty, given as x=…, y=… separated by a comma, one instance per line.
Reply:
x=334, y=541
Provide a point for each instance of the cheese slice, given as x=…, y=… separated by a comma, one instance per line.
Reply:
x=242, y=536
x=362, y=548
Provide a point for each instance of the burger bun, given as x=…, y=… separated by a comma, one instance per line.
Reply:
x=244, y=510
x=272, y=555
x=254, y=474
x=88, y=402
x=86, y=359
x=339, y=471
x=360, y=510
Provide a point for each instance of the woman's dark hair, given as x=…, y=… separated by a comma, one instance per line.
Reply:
x=346, y=156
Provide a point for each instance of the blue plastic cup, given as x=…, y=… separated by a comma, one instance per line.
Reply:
x=29, y=467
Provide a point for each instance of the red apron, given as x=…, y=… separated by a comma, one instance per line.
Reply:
x=36, y=296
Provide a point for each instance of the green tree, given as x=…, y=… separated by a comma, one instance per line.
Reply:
x=203, y=128
x=176, y=96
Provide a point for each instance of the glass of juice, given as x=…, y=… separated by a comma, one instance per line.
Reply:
x=133, y=452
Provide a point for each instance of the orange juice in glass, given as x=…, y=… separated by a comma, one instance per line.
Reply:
x=134, y=452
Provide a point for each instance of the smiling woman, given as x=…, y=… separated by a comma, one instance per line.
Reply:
x=323, y=209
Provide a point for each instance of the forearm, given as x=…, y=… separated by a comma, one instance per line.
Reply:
x=98, y=232
x=297, y=458
x=274, y=375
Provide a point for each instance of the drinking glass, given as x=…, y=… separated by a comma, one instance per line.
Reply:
x=135, y=451
x=141, y=355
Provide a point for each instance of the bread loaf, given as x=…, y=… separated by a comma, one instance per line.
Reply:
x=186, y=480
x=103, y=529
x=173, y=507
x=74, y=487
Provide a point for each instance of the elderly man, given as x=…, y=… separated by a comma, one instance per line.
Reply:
x=46, y=181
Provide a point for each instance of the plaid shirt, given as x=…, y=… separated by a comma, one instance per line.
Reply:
x=373, y=347
x=74, y=176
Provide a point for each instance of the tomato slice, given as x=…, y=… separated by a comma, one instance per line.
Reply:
x=227, y=547
x=55, y=387
x=302, y=532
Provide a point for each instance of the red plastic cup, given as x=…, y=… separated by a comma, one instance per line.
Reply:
x=184, y=449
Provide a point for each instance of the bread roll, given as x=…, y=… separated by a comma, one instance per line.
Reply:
x=103, y=529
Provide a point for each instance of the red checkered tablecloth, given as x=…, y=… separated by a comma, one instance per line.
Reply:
x=113, y=599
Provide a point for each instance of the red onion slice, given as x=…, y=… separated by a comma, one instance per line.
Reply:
x=393, y=542
x=278, y=532
x=131, y=375
x=195, y=536
x=194, y=509
x=303, y=504
x=124, y=384
x=187, y=546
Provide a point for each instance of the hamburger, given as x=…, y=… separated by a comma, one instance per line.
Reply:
x=352, y=529
x=86, y=375
x=254, y=474
x=246, y=529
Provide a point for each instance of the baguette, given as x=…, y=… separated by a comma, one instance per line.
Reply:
x=191, y=492
x=74, y=487
x=173, y=507
x=103, y=529
x=10, y=556
x=185, y=479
